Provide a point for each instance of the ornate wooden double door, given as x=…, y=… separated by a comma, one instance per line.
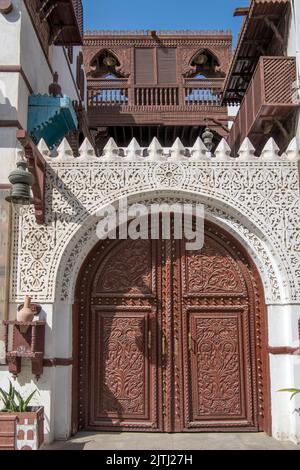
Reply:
x=169, y=338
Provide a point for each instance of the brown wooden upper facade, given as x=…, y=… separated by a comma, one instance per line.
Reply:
x=166, y=84
x=262, y=77
x=58, y=22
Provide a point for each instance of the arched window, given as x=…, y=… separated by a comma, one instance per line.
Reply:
x=105, y=64
x=204, y=64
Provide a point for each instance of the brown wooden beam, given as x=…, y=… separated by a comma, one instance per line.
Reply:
x=256, y=41
x=241, y=11
x=274, y=28
x=262, y=17
x=282, y=129
x=250, y=58
x=241, y=74
x=58, y=362
x=279, y=350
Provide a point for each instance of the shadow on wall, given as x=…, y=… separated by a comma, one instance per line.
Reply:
x=13, y=16
x=8, y=115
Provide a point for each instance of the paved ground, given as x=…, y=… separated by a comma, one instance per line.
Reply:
x=139, y=441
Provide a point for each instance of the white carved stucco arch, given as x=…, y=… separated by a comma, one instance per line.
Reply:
x=255, y=199
x=257, y=244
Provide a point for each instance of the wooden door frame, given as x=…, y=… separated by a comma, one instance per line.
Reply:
x=261, y=338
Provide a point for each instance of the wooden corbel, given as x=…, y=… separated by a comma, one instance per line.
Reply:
x=36, y=166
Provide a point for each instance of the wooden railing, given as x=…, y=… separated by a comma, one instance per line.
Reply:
x=156, y=96
x=110, y=93
x=202, y=97
x=270, y=98
x=117, y=92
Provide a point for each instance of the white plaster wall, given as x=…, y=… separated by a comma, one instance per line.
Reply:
x=285, y=417
x=33, y=60
x=7, y=152
x=63, y=330
x=13, y=98
x=10, y=27
x=9, y=94
x=283, y=325
x=63, y=402
x=67, y=73
x=284, y=371
x=232, y=112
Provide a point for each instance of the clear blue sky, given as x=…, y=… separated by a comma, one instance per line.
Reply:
x=162, y=14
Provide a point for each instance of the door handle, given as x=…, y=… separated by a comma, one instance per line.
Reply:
x=149, y=339
x=176, y=346
x=163, y=345
x=190, y=340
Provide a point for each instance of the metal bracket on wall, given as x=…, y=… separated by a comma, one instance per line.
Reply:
x=36, y=165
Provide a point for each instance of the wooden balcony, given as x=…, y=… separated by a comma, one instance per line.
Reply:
x=116, y=102
x=269, y=104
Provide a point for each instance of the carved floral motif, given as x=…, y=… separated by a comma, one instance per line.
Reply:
x=218, y=367
x=122, y=367
x=128, y=270
x=210, y=270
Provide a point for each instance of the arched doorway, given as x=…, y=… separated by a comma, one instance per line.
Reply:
x=170, y=340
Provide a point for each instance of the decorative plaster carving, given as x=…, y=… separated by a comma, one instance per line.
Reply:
x=256, y=199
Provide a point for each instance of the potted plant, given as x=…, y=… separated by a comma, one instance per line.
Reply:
x=21, y=425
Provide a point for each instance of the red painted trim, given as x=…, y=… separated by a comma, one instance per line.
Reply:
x=16, y=124
x=280, y=350
x=57, y=362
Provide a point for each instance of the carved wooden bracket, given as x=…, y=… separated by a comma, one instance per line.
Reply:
x=29, y=344
x=36, y=165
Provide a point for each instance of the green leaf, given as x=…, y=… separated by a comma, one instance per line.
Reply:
x=293, y=391
x=21, y=402
x=5, y=398
x=13, y=400
x=28, y=400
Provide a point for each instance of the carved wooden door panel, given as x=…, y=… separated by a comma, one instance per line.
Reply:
x=123, y=333
x=171, y=338
x=219, y=356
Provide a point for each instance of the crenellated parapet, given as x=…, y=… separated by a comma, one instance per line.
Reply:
x=178, y=152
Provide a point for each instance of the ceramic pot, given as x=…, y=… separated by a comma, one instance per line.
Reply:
x=26, y=314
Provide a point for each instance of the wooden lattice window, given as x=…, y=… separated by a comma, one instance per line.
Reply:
x=166, y=66
x=155, y=66
x=144, y=66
